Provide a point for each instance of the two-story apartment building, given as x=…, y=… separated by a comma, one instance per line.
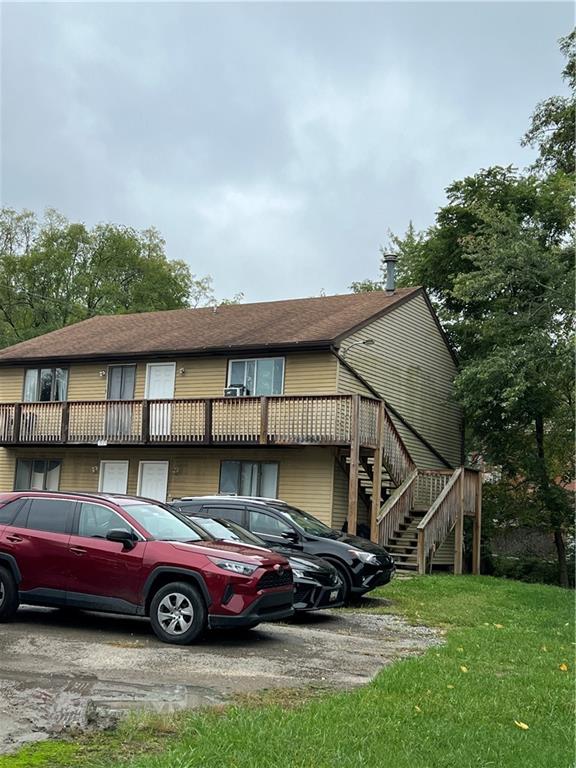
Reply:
x=329, y=403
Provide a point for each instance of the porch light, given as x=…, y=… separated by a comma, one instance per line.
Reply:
x=102, y=374
x=363, y=342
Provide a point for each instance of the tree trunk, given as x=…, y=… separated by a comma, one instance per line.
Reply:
x=561, y=551
x=551, y=505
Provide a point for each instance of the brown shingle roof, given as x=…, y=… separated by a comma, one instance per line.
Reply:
x=271, y=324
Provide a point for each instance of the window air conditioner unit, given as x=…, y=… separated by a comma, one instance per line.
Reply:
x=238, y=391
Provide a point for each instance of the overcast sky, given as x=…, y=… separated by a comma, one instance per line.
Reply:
x=273, y=145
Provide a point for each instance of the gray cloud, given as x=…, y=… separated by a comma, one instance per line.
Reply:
x=273, y=145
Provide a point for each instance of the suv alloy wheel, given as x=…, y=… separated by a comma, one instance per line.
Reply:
x=178, y=613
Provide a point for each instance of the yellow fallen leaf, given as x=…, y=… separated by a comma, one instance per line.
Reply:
x=460, y=649
x=463, y=669
x=544, y=649
x=521, y=725
x=417, y=708
x=499, y=626
x=449, y=686
x=563, y=667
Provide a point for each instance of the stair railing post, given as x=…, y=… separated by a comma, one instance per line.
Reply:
x=459, y=528
x=421, y=553
x=354, y=461
x=377, y=476
x=477, y=536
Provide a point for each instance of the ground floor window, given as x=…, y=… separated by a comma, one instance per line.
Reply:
x=249, y=478
x=37, y=474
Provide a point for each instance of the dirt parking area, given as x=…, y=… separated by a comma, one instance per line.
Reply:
x=62, y=672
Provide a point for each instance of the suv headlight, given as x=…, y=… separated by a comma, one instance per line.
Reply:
x=365, y=557
x=298, y=574
x=244, y=569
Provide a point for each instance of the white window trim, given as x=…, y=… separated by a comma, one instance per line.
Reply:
x=101, y=473
x=147, y=384
x=255, y=360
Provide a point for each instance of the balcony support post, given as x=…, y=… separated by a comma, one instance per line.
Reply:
x=16, y=424
x=65, y=420
x=354, y=462
x=477, y=535
x=145, y=421
x=207, y=421
x=459, y=529
x=377, y=474
x=263, y=421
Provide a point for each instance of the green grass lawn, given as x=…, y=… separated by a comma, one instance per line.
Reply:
x=508, y=663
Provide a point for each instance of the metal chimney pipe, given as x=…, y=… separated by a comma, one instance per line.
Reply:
x=390, y=260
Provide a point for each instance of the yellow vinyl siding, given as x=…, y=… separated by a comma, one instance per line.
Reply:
x=349, y=384
x=304, y=474
x=85, y=382
x=411, y=368
x=11, y=384
x=309, y=374
x=202, y=377
x=7, y=468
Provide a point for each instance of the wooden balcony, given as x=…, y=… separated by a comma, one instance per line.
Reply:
x=278, y=420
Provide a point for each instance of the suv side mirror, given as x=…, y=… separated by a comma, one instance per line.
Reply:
x=290, y=536
x=122, y=536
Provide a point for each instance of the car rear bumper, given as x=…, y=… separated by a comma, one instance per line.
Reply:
x=311, y=596
x=273, y=606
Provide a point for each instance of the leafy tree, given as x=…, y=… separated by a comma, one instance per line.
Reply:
x=54, y=272
x=552, y=125
x=499, y=265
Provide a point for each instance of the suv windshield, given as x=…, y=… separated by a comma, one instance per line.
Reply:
x=228, y=531
x=160, y=523
x=308, y=523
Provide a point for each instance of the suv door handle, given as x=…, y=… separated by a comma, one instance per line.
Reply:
x=15, y=539
x=78, y=550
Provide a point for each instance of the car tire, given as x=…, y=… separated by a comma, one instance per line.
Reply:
x=345, y=578
x=9, y=600
x=178, y=613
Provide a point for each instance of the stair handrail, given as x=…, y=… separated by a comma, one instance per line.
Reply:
x=396, y=456
x=440, y=518
x=396, y=508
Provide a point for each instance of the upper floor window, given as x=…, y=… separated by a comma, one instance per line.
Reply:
x=261, y=376
x=45, y=384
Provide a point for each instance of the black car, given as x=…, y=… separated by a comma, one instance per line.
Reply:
x=361, y=564
x=317, y=584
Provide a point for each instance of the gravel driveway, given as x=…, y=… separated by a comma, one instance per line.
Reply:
x=61, y=672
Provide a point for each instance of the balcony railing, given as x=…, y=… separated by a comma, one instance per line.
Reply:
x=275, y=420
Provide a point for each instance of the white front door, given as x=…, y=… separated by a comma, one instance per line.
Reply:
x=153, y=479
x=113, y=476
x=160, y=386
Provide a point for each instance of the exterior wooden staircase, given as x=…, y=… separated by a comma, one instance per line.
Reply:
x=422, y=520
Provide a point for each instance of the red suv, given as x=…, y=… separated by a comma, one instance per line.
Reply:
x=123, y=554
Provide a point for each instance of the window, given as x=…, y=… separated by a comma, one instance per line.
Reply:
x=160, y=523
x=121, y=380
x=8, y=511
x=96, y=521
x=262, y=376
x=37, y=474
x=236, y=514
x=267, y=525
x=249, y=478
x=52, y=515
x=45, y=384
